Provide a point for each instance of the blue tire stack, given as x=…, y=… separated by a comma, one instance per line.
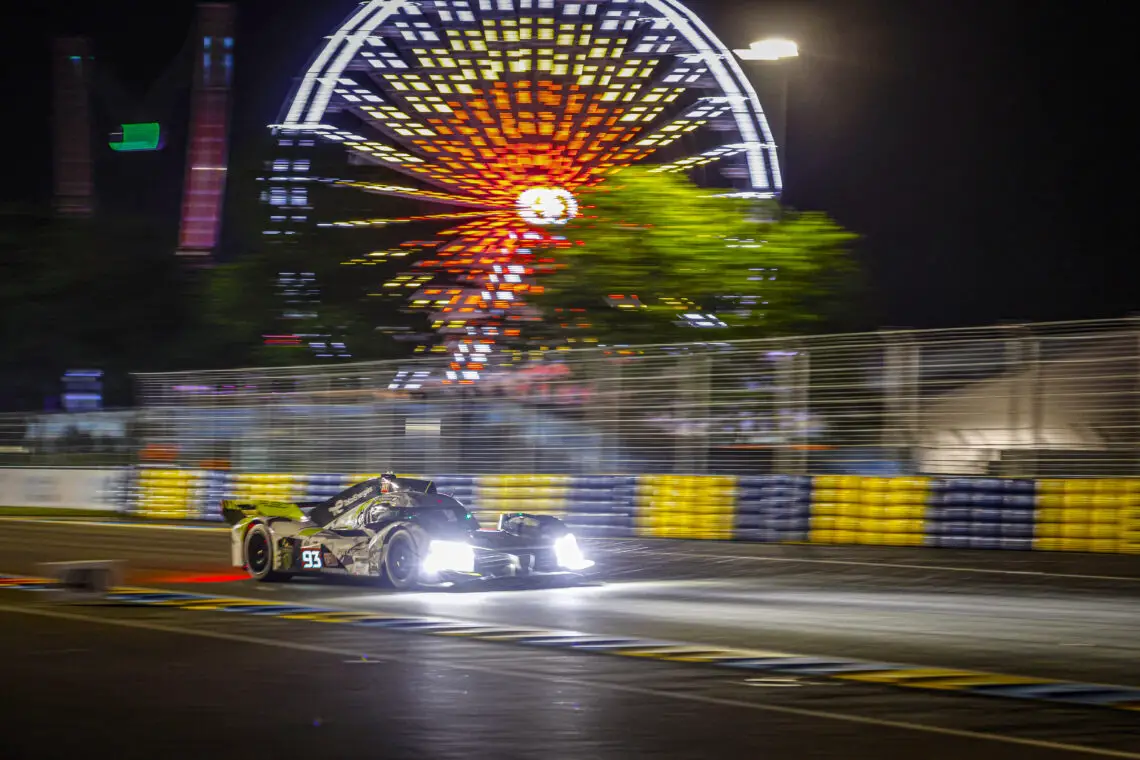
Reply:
x=322, y=486
x=601, y=506
x=214, y=489
x=981, y=513
x=773, y=508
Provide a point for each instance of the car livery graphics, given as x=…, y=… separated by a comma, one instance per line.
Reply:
x=400, y=530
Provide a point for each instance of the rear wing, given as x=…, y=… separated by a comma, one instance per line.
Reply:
x=321, y=512
x=236, y=510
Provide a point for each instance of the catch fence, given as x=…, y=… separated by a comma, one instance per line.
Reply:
x=62, y=439
x=1042, y=400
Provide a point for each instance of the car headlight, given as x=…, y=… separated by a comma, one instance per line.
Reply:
x=568, y=555
x=449, y=556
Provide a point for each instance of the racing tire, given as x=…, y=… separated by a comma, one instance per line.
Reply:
x=257, y=552
x=402, y=561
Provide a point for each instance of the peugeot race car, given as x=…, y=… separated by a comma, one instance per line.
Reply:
x=399, y=530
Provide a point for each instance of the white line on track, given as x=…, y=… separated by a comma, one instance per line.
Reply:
x=652, y=552
x=112, y=524
x=639, y=691
x=902, y=566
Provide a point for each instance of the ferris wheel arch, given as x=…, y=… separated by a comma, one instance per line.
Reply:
x=305, y=110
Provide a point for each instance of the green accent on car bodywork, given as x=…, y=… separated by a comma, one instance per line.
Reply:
x=236, y=511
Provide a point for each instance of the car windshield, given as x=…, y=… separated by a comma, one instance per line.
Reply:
x=453, y=515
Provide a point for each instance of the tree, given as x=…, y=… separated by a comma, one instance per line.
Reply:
x=650, y=247
x=101, y=293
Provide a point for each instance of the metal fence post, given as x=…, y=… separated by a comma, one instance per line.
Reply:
x=792, y=405
x=1023, y=423
x=900, y=431
x=1134, y=407
x=1032, y=358
x=802, y=404
x=691, y=410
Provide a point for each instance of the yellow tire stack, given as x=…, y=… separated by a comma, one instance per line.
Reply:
x=686, y=506
x=252, y=486
x=1086, y=515
x=848, y=509
x=1130, y=527
x=169, y=494
x=534, y=494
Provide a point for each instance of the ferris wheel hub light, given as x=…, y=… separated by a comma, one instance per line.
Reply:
x=547, y=205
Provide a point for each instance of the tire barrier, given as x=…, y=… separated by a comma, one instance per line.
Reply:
x=849, y=509
x=537, y=494
x=773, y=508
x=686, y=506
x=170, y=494
x=602, y=506
x=1081, y=515
x=981, y=513
x=1085, y=515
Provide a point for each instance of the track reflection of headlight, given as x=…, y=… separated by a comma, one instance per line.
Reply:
x=449, y=556
x=568, y=554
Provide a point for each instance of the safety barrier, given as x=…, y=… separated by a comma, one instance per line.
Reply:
x=594, y=506
x=1087, y=515
x=1079, y=515
x=686, y=506
x=773, y=508
x=982, y=513
x=45, y=488
x=875, y=511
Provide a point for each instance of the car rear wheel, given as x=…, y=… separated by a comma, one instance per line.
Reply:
x=402, y=561
x=259, y=555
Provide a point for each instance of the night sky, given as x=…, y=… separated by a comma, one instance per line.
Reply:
x=983, y=149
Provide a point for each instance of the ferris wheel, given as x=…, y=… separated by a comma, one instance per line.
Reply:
x=497, y=112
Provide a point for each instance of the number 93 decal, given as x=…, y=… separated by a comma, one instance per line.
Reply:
x=311, y=559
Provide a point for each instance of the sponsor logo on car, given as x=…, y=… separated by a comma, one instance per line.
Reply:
x=343, y=504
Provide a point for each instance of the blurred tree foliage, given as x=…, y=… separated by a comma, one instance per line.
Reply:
x=678, y=248
x=84, y=293
x=108, y=293
x=241, y=302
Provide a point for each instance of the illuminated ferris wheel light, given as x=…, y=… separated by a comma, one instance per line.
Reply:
x=547, y=205
x=477, y=102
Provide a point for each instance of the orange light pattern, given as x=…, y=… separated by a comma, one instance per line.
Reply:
x=418, y=194
x=483, y=271
x=407, y=219
x=482, y=100
x=500, y=110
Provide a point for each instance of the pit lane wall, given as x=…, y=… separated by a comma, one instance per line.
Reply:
x=48, y=489
x=1084, y=515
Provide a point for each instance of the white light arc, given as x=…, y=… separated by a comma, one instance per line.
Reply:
x=322, y=77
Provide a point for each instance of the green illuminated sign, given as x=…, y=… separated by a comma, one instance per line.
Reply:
x=137, y=137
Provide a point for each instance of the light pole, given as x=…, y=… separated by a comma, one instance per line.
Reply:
x=774, y=51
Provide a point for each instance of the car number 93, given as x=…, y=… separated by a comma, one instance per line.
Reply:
x=311, y=559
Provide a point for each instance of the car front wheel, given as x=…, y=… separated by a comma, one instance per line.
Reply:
x=402, y=561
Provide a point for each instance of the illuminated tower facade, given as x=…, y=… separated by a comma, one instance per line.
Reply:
x=206, y=166
x=72, y=69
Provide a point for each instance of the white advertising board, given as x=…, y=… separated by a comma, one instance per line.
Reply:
x=59, y=488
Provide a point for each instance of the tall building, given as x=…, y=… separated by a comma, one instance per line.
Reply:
x=72, y=69
x=207, y=155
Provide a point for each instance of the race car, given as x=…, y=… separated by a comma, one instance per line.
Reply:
x=399, y=530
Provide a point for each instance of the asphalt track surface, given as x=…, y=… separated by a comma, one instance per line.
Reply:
x=147, y=679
